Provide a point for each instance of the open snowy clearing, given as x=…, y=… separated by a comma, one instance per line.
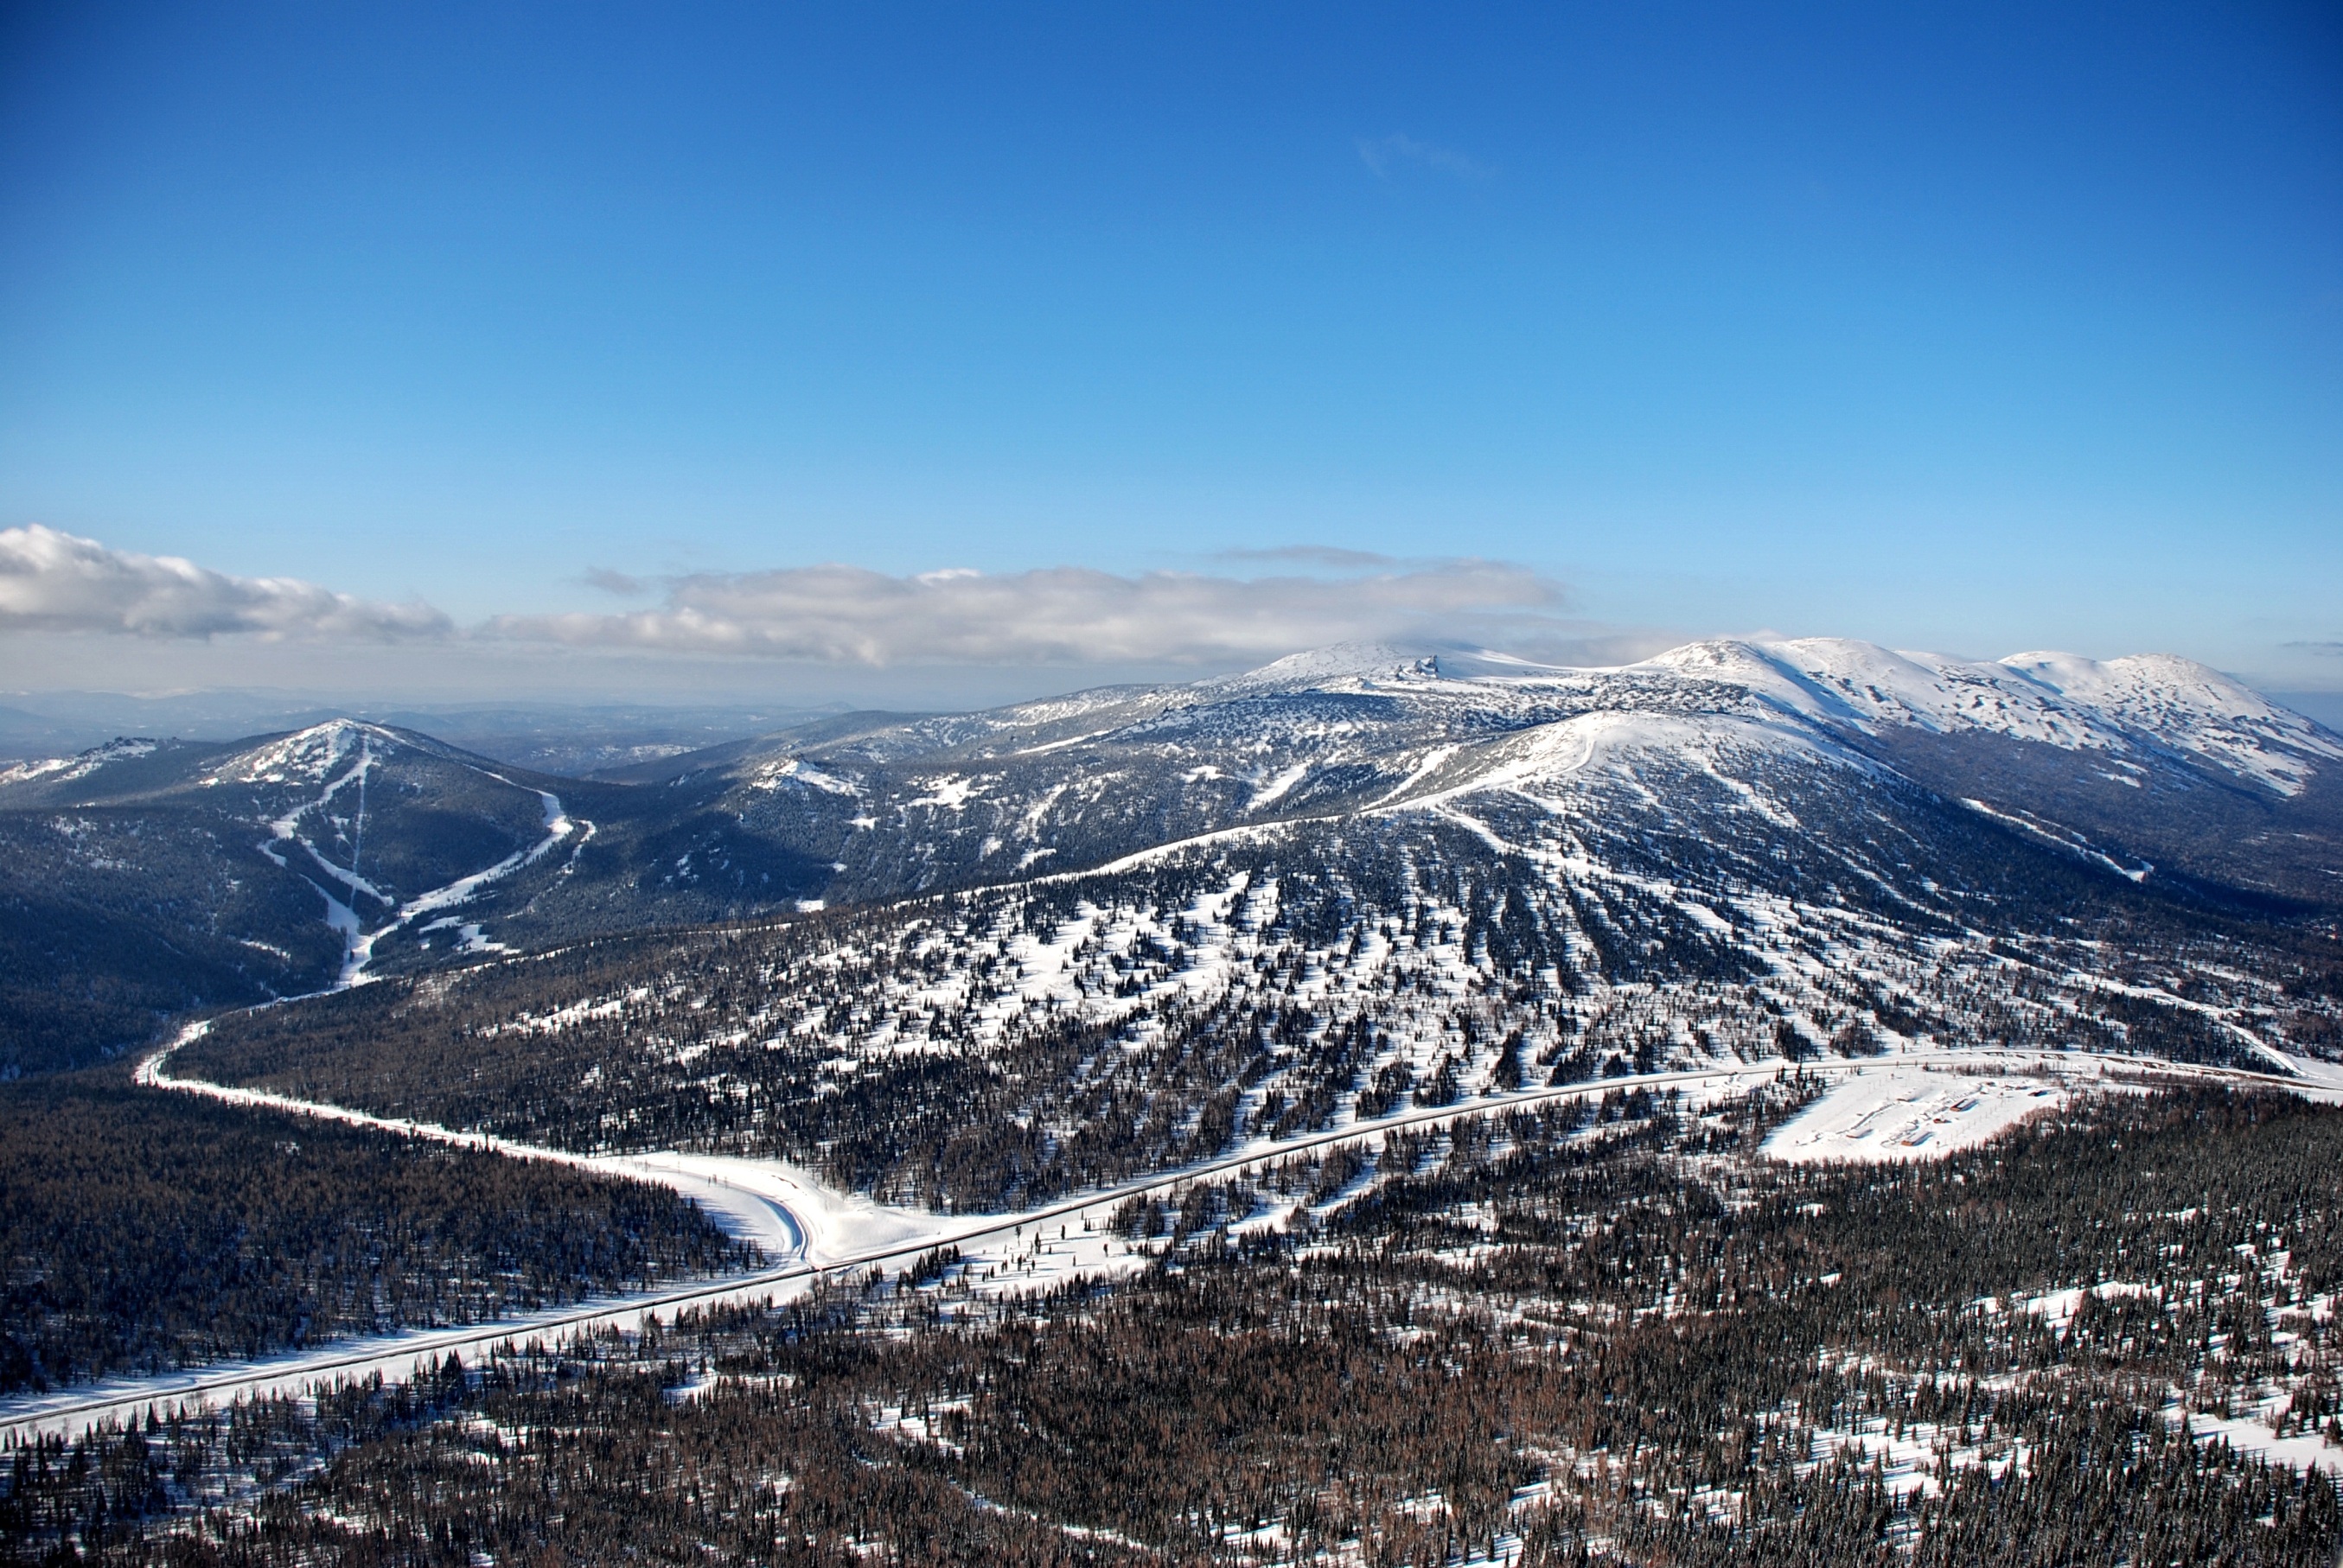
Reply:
x=2254, y=1434
x=1927, y=1105
x=1902, y=1112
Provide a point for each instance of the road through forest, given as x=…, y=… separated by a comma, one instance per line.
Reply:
x=811, y=1231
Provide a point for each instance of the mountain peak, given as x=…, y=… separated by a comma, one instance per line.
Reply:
x=306, y=755
x=62, y=769
x=2138, y=675
x=1335, y=663
x=2189, y=707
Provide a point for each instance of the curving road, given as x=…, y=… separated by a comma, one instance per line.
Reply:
x=824, y=1237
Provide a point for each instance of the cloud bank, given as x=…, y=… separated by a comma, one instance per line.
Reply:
x=1060, y=615
x=52, y=581
x=838, y=616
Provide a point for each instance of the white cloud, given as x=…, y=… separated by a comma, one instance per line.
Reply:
x=1058, y=615
x=1382, y=154
x=615, y=583
x=1331, y=556
x=57, y=588
x=52, y=581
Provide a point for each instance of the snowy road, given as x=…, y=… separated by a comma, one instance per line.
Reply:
x=813, y=1231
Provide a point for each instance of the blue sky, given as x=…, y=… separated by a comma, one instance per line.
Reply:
x=1972, y=327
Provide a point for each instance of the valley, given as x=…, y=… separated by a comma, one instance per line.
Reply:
x=807, y=1231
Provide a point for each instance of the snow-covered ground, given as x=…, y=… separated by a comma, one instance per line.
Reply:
x=788, y=1211
x=810, y=1231
x=1909, y=1112
x=1923, y=1105
x=2252, y=1435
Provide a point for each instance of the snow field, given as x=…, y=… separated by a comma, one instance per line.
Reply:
x=1905, y=1112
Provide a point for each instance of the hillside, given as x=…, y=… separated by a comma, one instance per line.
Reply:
x=146, y=879
x=1356, y=880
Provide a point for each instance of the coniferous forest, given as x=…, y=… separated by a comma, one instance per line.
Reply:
x=1598, y=1333
x=856, y=787
x=141, y=1230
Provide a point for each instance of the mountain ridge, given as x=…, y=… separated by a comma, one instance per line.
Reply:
x=1065, y=942
x=350, y=849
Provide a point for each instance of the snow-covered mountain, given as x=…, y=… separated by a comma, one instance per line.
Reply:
x=146, y=877
x=1077, y=939
x=2148, y=761
x=2152, y=702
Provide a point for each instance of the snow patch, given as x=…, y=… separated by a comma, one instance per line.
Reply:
x=79, y=766
x=1905, y=1112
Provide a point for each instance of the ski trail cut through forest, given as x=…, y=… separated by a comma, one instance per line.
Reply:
x=342, y=915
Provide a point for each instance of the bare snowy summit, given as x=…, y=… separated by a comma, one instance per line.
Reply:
x=1339, y=665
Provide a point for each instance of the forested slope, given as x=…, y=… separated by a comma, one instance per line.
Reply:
x=1584, y=1335
x=997, y=1047
x=140, y=1230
